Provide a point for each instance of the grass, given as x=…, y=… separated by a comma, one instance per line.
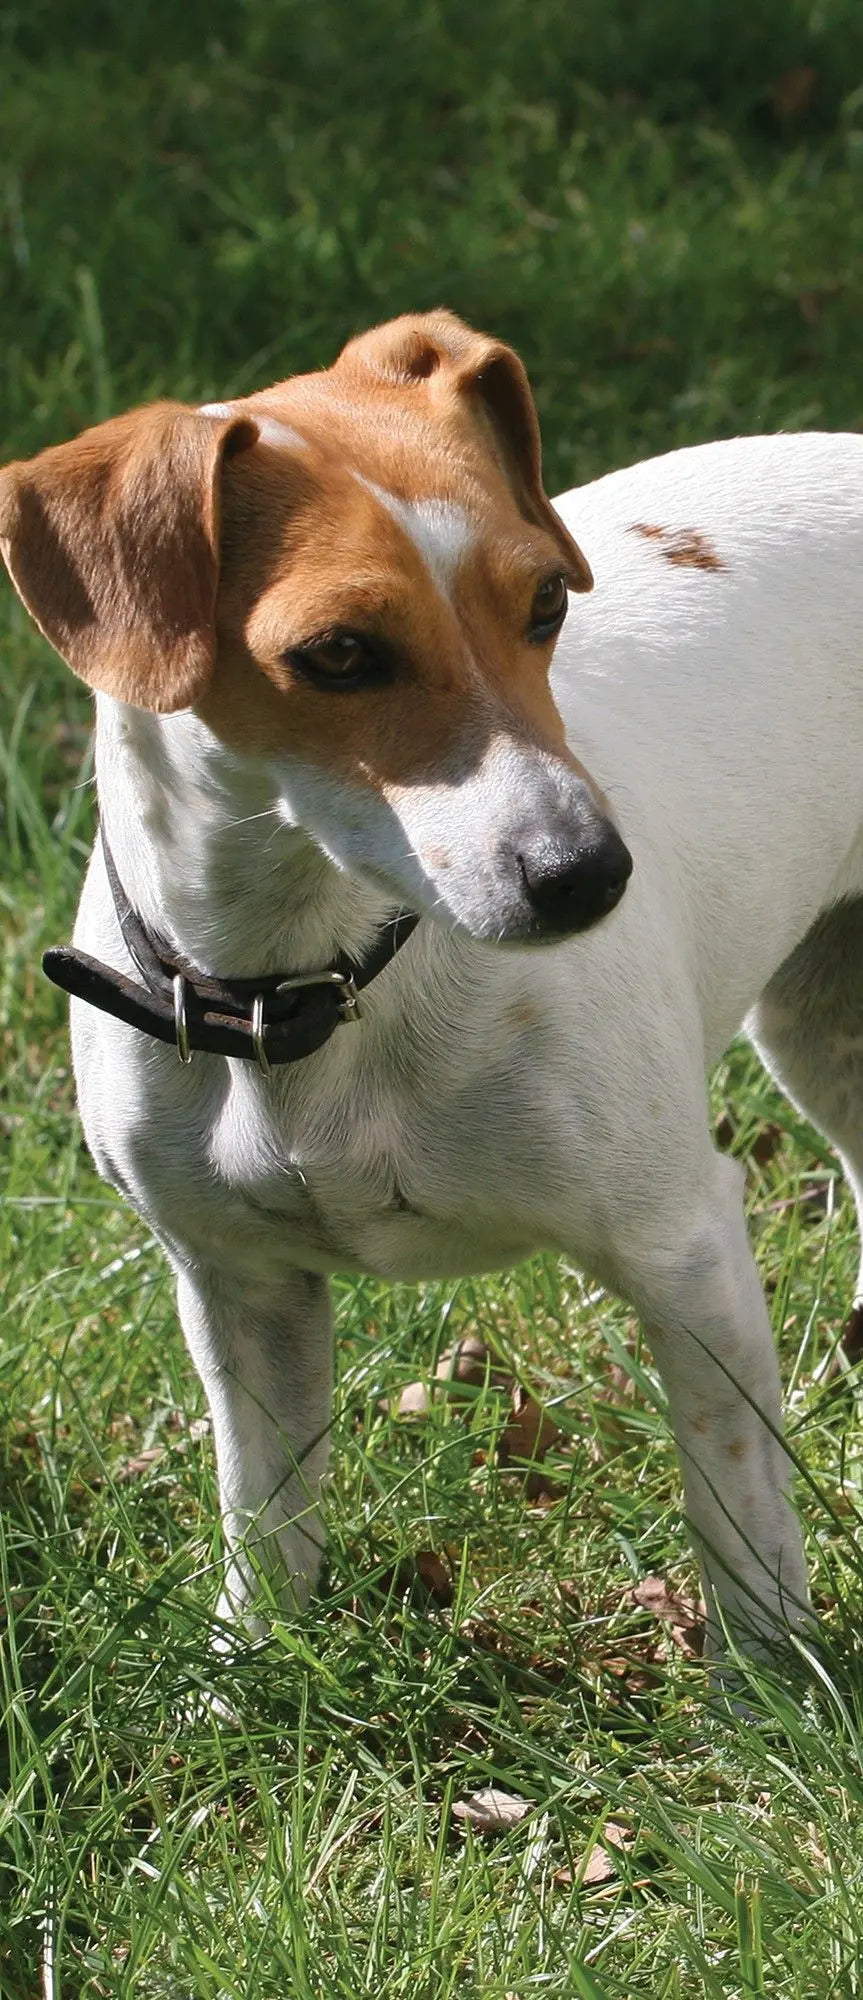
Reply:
x=661, y=207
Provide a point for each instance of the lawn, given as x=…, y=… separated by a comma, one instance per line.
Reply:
x=662, y=207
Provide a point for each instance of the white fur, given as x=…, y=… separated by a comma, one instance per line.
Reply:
x=441, y=532
x=270, y=429
x=495, y=1101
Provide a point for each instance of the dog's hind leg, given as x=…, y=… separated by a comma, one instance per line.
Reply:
x=691, y=1274
x=264, y=1353
x=808, y=1027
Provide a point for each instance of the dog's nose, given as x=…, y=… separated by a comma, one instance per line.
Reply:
x=571, y=887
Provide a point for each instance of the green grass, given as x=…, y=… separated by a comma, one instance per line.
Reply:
x=194, y=200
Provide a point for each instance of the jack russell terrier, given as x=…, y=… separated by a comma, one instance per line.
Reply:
x=361, y=979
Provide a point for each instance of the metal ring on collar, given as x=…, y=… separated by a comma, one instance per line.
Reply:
x=264, y=1063
x=181, y=1027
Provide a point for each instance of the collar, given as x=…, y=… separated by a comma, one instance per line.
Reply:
x=277, y=1018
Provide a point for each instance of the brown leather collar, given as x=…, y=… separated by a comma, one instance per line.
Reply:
x=278, y=1018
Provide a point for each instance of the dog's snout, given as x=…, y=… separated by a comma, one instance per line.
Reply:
x=571, y=884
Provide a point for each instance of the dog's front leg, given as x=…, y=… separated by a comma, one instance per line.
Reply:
x=265, y=1357
x=698, y=1290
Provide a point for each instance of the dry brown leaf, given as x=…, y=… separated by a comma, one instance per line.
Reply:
x=724, y=1130
x=491, y=1811
x=637, y=1677
x=767, y=1141
x=133, y=1467
x=528, y=1435
x=435, y=1575
x=414, y=1401
x=600, y=1866
x=683, y=1616
x=793, y=91
x=467, y=1362
x=833, y=1372
x=426, y=1569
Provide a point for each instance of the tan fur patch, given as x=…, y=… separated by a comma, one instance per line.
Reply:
x=687, y=548
x=307, y=546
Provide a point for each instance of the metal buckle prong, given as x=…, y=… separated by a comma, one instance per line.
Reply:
x=351, y=1009
x=264, y=1064
x=181, y=1026
x=350, y=999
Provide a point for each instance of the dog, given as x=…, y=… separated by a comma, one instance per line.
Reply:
x=418, y=914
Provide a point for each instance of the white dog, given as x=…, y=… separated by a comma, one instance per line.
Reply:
x=320, y=622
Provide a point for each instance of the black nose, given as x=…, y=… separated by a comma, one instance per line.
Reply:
x=572, y=886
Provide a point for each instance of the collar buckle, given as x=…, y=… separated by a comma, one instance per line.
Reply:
x=350, y=1009
x=189, y=1011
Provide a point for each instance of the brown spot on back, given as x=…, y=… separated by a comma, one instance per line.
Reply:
x=737, y=1448
x=687, y=548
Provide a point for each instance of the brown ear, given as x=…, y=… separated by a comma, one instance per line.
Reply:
x=437, y=348
x=500, y=383
x=112, y=541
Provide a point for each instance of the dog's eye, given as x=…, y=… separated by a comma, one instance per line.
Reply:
x=339, y=660
x=548, y=610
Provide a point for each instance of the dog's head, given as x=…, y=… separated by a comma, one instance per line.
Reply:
x=356, y=577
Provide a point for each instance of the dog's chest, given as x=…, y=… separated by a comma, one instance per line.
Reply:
x=407, y=1179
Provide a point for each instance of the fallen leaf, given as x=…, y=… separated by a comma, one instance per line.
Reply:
x=793, y=91
x=400, y=1580
x=767, y=1139
x=724, y=1130
x=635, y=1677
x=848, y=1351
x=435, y=1575
x=467, y=1361
x=491, y=1811
x=684, y=1617
x=133, y=1467
x=414, y=1401
x=599, y=1866
x=527, y=1436
x=766, y=1142
x=465, y=1365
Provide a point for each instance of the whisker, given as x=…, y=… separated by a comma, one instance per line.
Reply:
x=268, y=813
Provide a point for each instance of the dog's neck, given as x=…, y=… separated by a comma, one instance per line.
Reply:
x=207, y=859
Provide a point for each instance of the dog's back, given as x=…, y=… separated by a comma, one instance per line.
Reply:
x=714, y=683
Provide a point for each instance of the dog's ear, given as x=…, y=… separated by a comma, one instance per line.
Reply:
x=437, y=350
x=112, y=541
